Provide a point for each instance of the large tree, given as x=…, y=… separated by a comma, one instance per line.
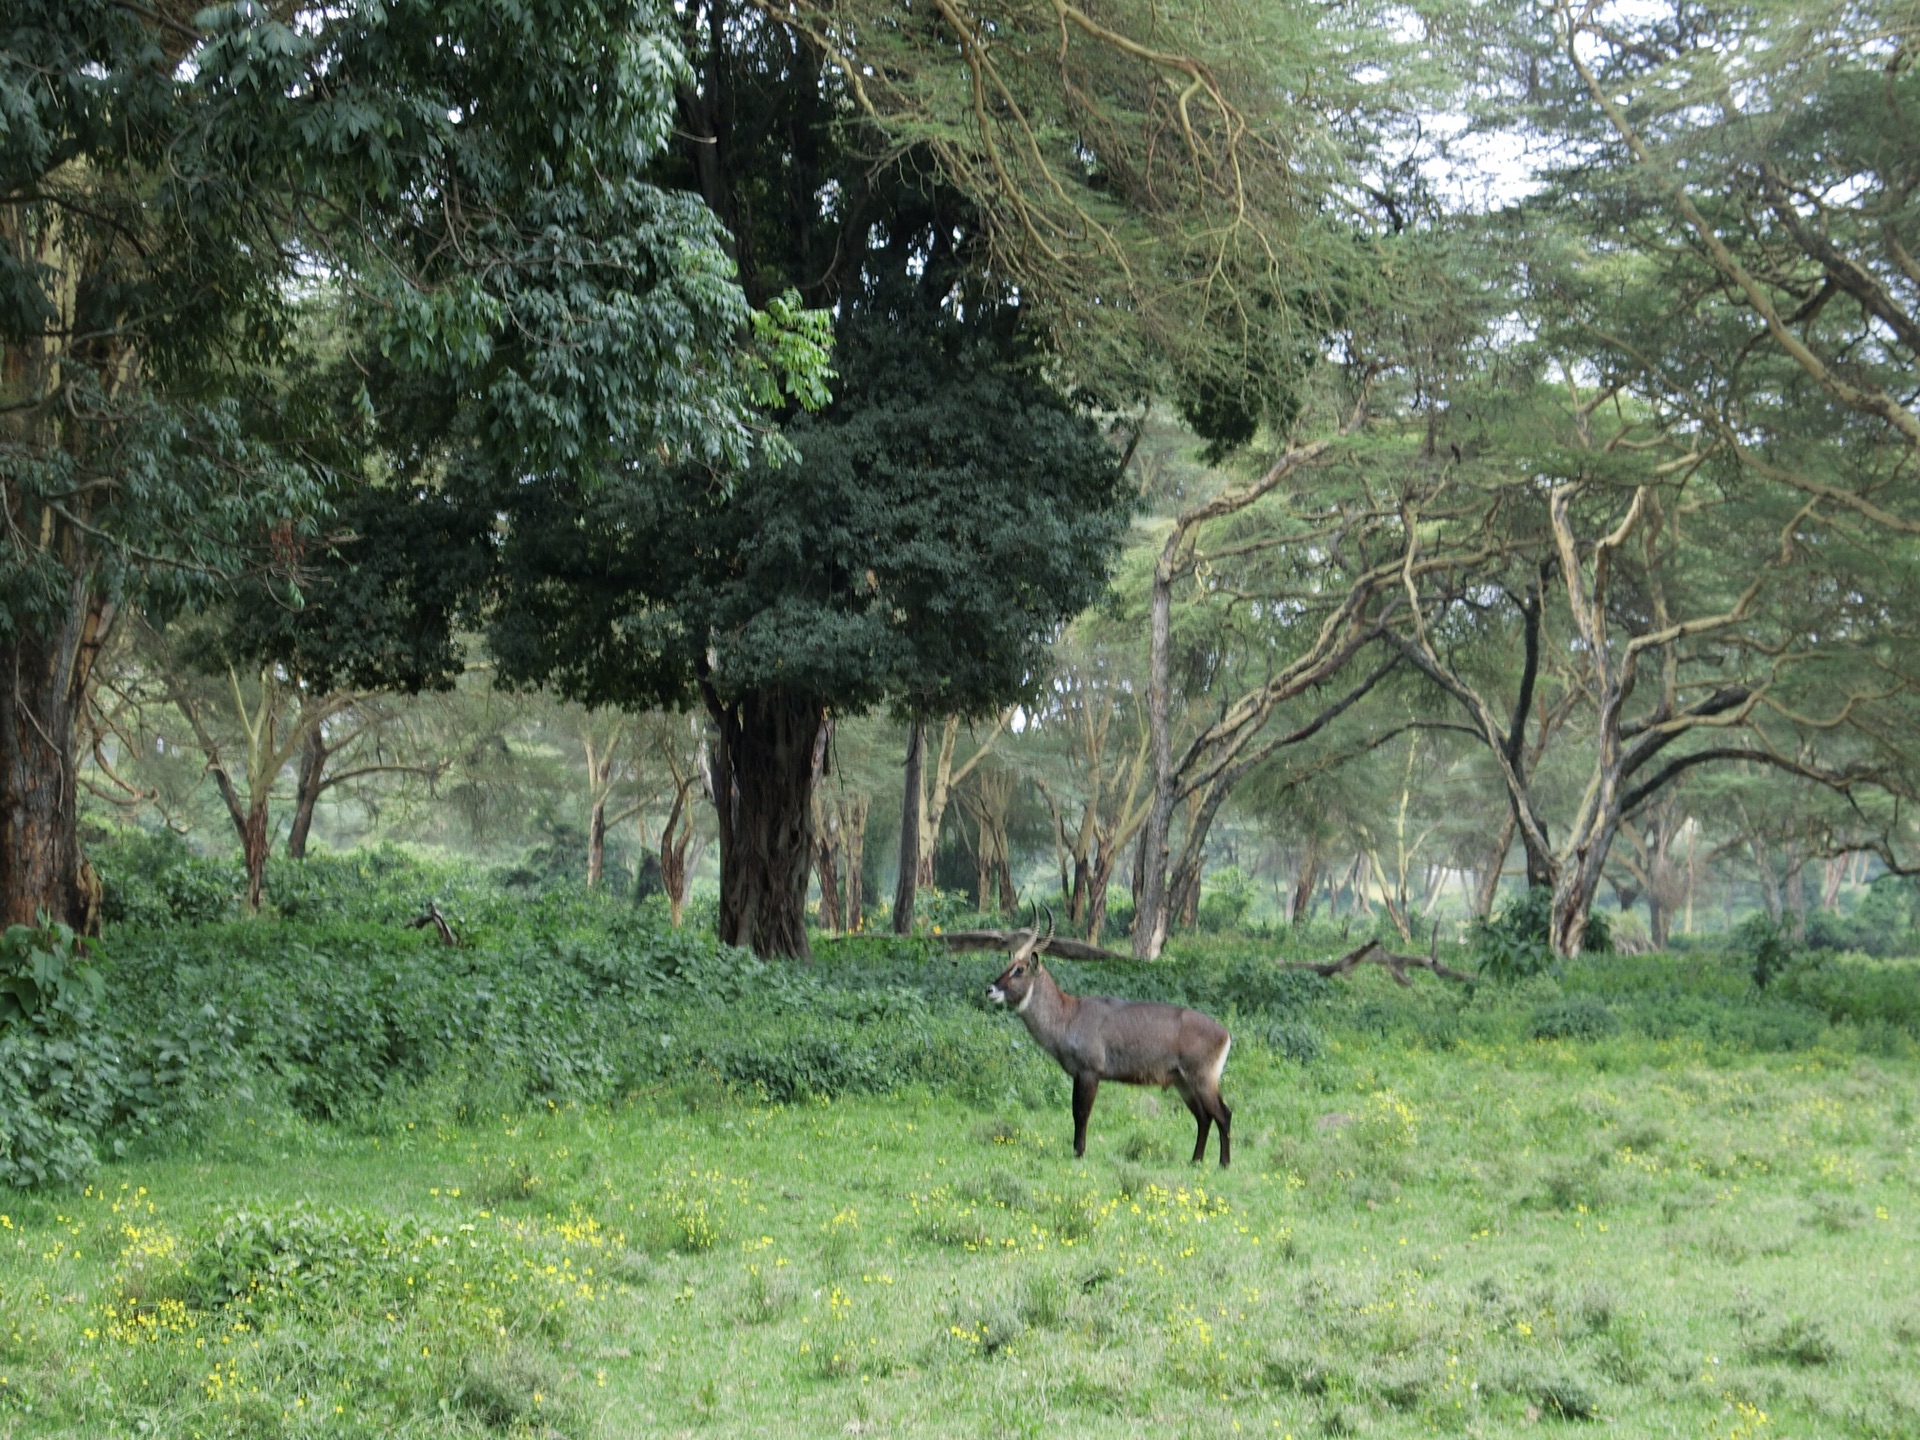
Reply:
x=466, y=177
x=942, y=518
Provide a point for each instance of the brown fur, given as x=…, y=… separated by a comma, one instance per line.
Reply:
x=1136, y=1042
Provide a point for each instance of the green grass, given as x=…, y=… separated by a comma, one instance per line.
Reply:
x=1425, y=1230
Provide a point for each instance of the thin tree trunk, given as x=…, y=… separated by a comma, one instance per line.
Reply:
x=903, y=895
x=853, y=830
x=255, y=838
x=1150, y=901
x=826, y=833
x=1309, y=877
x=307, y=791
x=675, y=837
x=826, y=866
x=596, y=844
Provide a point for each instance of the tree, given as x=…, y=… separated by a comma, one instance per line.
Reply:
x=467, y=176
x=944, y=514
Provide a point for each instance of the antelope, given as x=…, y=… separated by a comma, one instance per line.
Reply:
x=1136, y=1042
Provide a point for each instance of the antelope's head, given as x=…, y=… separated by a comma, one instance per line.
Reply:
x=1015, y=985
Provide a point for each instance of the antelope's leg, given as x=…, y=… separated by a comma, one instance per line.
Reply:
x=1085, y=1087
x=1225, y=1116
x=1200, y=1114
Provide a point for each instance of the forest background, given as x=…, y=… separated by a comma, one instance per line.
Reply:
x=555, y=551
x=1505, y=474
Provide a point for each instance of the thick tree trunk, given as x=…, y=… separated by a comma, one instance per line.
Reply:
x=829, y=872
x=1189, y=871
x=39, y=845
x=763, y=774
x=1078, y=897
x=1659, y=922
x=903, y=894
x=989, y=844
x=307, y=792
x=1578, y=882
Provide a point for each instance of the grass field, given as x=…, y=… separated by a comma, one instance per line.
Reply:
x=1657, y=1235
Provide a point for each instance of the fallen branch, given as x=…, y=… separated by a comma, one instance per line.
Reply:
x=1061, y=945
x=1374, y=953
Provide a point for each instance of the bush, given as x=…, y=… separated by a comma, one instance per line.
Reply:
x=1225, y=902
x=1578, y=1017
x=1513, y=944
x=158, y=880
x=1516, y=943
x=1766, y=946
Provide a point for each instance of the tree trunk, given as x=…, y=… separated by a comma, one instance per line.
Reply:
x=255, y=837
x=1768, y=877
x=903, y=894
x=1151, y=902
x=1490, y=884
x=1189, y=871
x=1579, y=879
x=675, y=836
x=763, y=794
x=1835, y=870
x=596, y=844
x=933, y=798
x=1309, y=877
x=1078, y=897
x=826, y=862
x=1797, y=896
x=1659, y=921
x=306, y=795
x=42, y=687
x=853, y=831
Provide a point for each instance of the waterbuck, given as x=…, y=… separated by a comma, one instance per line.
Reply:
x=1137, y=1042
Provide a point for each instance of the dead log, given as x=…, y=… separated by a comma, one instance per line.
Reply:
x=1061, y=945
x=1396, y=965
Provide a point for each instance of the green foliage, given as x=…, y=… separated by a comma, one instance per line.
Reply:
x=1578, y=1017
x=45, y=976
x=155, y=879
x=1513, y=944
x=1225, y=901
x=1767, y=946
x=949, y=511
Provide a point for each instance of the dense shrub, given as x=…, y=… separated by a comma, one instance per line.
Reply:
x=70, y=1072
x=1516, y=943
x=343, y=1015
x=1578, y=1017
x=156, y=879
